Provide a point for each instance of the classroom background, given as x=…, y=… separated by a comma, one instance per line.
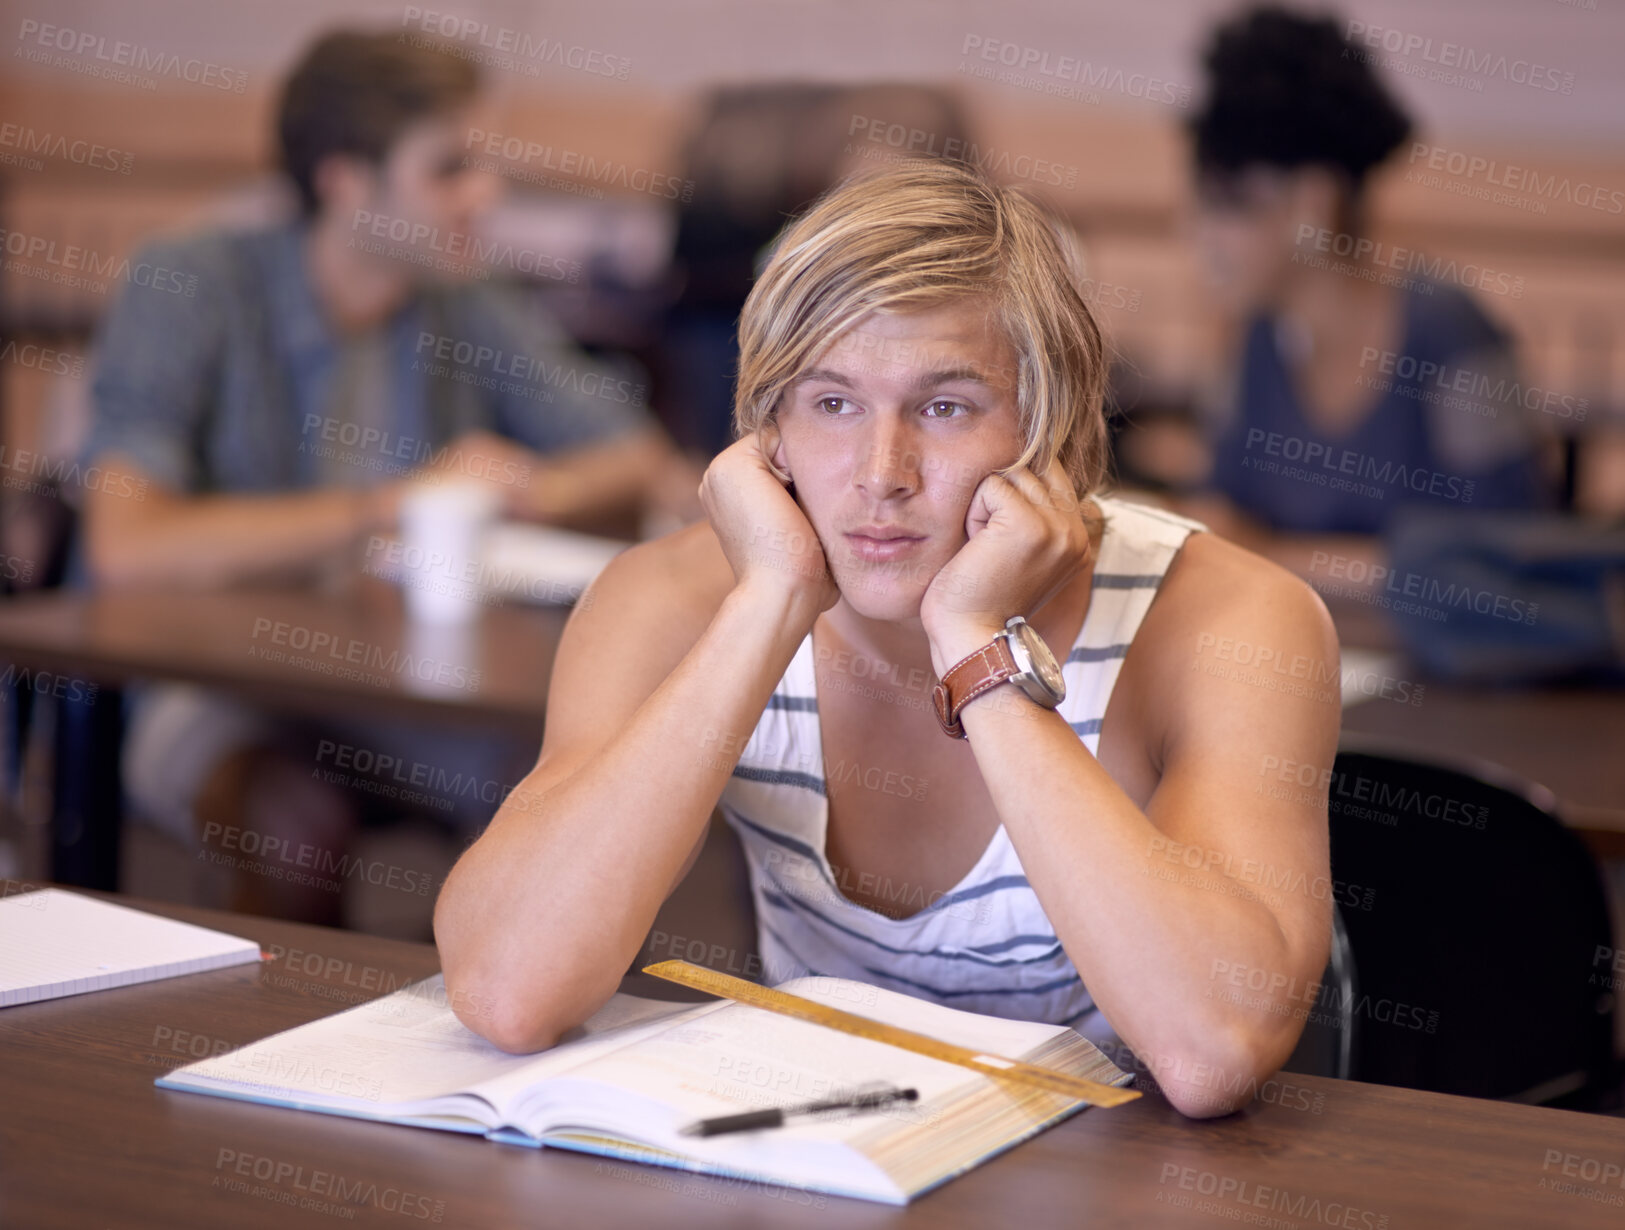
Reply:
x=647, y=155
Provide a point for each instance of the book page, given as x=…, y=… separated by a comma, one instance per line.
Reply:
x=747, y=1058
x=624, y=1021
x=406, y=1049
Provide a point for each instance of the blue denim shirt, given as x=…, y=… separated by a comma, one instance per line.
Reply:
x=216, y=376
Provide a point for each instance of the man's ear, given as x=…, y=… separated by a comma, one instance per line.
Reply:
x=343, y=183
x=773, y=441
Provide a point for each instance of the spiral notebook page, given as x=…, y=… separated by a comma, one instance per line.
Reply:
x=55, y=943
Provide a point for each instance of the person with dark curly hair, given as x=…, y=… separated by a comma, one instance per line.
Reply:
x=1366, y=377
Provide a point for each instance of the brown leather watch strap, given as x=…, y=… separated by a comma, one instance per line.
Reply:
x=968, y=678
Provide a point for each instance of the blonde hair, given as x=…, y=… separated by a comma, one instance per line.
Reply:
x=914, y=237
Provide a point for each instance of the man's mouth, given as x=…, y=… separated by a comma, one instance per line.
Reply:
x=878, y=544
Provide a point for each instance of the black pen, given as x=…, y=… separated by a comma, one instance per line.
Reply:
x=776, y=1117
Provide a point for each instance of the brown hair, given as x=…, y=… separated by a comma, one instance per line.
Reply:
x=354, y=91
x=913, y=237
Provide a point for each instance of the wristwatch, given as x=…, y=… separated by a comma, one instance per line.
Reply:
x=1016, y=655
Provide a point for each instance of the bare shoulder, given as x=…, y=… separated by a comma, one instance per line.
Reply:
x=630, y=630
x=689, y=561
x=1213, y=579
x=665, y=592
x=1220, y=603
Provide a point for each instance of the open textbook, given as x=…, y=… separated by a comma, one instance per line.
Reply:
x=639, y=1070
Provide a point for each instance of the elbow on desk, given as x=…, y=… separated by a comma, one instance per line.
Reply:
x=109, y=565
x=515, y=1007
x=117, y=542
x=1217, y=1080
x=485, y=989
x=521, y=997
x=1196, y=1101
x=505, y=1020
x=123, y=563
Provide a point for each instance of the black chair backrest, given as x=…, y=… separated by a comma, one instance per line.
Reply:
x=1482, y=943
x=1331, y=1033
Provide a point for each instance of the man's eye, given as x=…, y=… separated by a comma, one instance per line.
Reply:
x=832, y=405
x=945, y=409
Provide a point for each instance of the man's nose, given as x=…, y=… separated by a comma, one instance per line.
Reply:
x=890, y=464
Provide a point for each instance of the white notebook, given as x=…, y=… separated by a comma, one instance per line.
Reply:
x=55, y=943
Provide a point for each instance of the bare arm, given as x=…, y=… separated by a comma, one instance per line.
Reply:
x=1248, y=885
x=167, y=538
x=583, y=486
x=1220, y=882
x=162, y=537
x=658, y=681
x=592, y=487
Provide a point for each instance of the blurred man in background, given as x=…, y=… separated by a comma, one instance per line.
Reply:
x=276, y=390
x=1366, y=377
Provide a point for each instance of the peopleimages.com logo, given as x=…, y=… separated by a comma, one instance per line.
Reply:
x=511, y=48
x=1451, y=63
x=1315, y=461
x=1373, y=259
x=1506, y=182
x=92, y=54
x=1481, y=392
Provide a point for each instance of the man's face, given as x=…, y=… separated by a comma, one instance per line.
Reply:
x=426, y=180
x=887, y=435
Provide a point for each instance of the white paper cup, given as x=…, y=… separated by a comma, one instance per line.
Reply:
x=442, y=535
x=443, y=659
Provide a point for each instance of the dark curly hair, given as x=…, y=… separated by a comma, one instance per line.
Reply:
x=1288, y=90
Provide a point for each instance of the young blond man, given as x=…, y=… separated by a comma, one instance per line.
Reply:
x=920, y=450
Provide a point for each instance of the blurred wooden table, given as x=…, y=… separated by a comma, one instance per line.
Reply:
x=87, y=1140
x=303, y=650
x=1567, y=740
x=1571, y=741
x=308, y=652
x=353, y=651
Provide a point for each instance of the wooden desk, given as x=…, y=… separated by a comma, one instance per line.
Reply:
x=305, y=651
x=87, y=1140
x=1565, y=739
x=308, y=652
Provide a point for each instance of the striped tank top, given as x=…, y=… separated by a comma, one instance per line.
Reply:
x=985, y=945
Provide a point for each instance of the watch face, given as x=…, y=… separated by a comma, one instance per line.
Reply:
x=1040, y=661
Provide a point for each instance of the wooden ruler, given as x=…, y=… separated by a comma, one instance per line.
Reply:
x=785, y=1004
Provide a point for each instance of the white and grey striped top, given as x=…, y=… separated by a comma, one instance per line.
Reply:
x=986, y=945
